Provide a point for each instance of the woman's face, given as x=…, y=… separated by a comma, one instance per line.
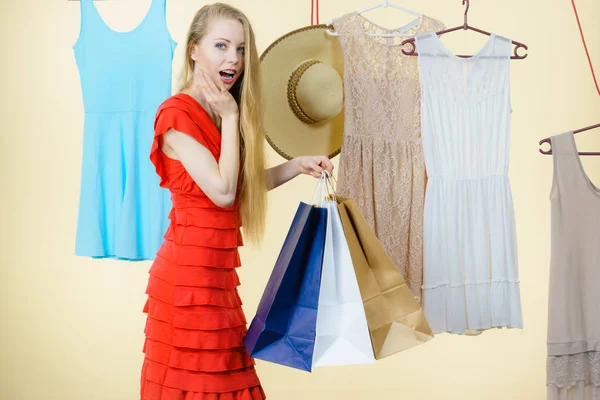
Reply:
x=221, y=52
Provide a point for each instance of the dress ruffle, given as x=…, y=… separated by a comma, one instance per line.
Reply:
x=195, y=327
x=184, y=385
x=164, y=332
x=199, y=276
x=473, y=307
x=190, y=296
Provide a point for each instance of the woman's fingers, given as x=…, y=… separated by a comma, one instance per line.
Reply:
x=216, y=94
x=314, y=167
x=211, y=85
x=202, y=84
x=325, y=163
x=207, y=88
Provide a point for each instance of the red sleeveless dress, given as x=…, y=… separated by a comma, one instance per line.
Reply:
x=195, y=324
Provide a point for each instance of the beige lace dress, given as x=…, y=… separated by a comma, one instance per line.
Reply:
x=381, y=166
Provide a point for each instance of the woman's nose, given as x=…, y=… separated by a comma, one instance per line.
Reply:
x=233, y=57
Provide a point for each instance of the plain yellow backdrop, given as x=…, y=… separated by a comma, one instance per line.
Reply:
x=72, y=327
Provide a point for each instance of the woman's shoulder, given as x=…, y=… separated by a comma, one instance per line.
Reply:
x=184, y=114
x=183, y=106
x=183, y=102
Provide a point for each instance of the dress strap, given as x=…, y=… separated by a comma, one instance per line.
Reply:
x=161, y=8
x=86, y=6
x=158, y=16
x=426, y=44
x=88, y=16
x=502, y=48
x=340, y=24
x=158, y=12
x=568, y=177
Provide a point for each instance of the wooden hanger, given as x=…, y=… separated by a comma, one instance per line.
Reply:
x=330, y=31
x=582, y=153
x=465, y=26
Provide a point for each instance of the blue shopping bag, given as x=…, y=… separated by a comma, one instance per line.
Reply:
x=284, y=328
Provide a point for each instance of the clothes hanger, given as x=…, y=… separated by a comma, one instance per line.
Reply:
x=582, y=153
x=384, y=4
x=465, y=26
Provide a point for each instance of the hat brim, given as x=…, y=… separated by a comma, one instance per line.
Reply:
x=288, y=135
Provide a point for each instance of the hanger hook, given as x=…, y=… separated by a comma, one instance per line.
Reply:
x=465, y=26
x=549, y=151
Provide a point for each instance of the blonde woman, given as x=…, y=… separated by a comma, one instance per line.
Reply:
x=208, y=151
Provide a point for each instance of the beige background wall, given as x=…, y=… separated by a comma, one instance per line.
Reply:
x=72, y=327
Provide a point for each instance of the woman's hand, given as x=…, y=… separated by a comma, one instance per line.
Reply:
x=309, y=165
x=219, y=99
x=314, y=165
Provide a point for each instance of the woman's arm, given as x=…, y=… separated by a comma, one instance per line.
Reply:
x=217, y=180
x=309, y=165
x=282, y=173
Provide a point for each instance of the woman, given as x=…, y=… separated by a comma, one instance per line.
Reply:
x=208, y=150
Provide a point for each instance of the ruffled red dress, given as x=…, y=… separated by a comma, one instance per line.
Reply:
x=195, y=324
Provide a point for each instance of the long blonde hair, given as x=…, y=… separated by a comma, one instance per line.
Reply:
x=247, y=92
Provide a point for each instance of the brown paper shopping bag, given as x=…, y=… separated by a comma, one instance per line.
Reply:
x=395, y=319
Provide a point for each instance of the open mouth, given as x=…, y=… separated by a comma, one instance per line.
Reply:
x=227, y=75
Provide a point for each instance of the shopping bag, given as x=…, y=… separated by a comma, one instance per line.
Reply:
x=342, y=333
x=283, y=330
x=395, y=319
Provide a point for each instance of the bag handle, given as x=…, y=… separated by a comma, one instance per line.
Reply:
x=331, y=183
x=323, y=183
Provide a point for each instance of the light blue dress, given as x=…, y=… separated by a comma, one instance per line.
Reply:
x=125, y=76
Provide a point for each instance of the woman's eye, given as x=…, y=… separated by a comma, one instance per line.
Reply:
x=220, y=45
x=241, y=50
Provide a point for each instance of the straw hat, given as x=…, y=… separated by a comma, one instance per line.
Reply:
x=304, y=94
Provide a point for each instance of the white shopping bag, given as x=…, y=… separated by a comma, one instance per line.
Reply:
x=342, y=332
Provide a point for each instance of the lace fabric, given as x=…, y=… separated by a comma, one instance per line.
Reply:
x=580, y=391
x=573, y=377
x=382, y=166
x=567, y=370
